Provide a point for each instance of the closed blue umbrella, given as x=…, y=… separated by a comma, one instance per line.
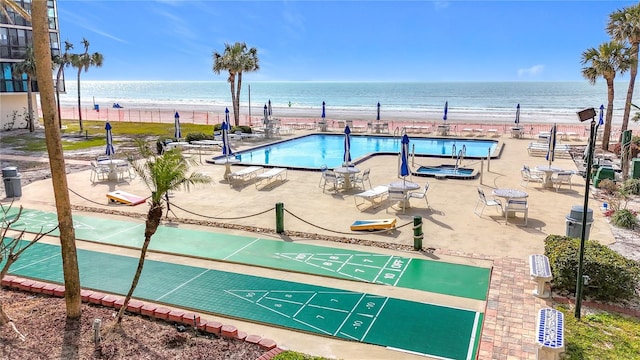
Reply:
x=177, y=134
x=403, y=171
x=110, y=150
x=347, y=146
x=266, y=115
x=226, y=118
x=517, y=121
x=601, y=121
x=552, y=144
x=323, y=114
x=378, y=116
x=269, y=107
x=446, y=109
x=226, y=146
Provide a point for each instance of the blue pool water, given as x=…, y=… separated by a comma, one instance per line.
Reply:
x=449, y=171
x=313, y=151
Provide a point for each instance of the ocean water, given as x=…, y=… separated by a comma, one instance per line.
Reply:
x=545, y=99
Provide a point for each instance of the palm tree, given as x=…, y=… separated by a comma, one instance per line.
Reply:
x=161, y=174
x=62, y=62
x=624, y=25
x=42, y=51
x=83, y=62
x=236, y=59
x=15, y=7
x=606, y=61
x=28, y=68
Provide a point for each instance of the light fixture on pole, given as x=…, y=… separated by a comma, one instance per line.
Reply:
x=585, y=115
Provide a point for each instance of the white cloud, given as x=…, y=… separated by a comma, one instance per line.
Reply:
x=533, y=71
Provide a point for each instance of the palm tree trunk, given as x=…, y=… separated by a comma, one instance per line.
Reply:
x=232, y=81
x=153, y=221
x=236, y=103
x=30, y=103
x=79, y=107
x=44, y=74
x=609, y=116
x=632, y=81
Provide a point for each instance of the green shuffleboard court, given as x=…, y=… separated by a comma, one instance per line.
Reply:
x=421, y=274
x=427, y=329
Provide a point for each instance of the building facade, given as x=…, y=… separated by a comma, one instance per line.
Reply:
x=15, y=38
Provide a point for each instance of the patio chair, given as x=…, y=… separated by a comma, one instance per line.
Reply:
x=397, y=195
x=360, y=179
x=420, y=194
x=482, y=199
x=99, y=172
x=323, y=169
x=563, y=177
x=528, y=175
x=330, y=178
x=516, y=206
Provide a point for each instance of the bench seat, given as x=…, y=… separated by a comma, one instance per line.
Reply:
x=550, y=333
x=540, y=271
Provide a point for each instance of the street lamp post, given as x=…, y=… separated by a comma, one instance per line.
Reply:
x=585, y=115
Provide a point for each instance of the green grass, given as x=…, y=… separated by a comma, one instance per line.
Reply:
x=94, y=135
x=601, y=336
x=292, y=355
x=134, y=128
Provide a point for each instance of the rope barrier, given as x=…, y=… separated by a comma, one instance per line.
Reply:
x=221, y=218
x=342, y=232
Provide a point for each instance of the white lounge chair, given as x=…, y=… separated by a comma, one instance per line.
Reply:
x=272, y=174
x=516, y=206
x=528, y=175
x=420, y=194
x=561, y=178
x=397, y=195
x=330, y=178
x=244, y=174
x=482, y=199
x=375, y=196
x=360, y=179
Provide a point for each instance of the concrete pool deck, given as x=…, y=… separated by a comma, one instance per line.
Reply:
x=450, y=226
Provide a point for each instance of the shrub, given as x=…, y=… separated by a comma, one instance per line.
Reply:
x=631, y=186
x=634, y=148
x=612, y=277
x=624, y=218
x=163, y=140
x=198, y=136
x=608, y=187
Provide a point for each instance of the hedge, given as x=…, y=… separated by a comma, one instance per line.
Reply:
x=612, y=277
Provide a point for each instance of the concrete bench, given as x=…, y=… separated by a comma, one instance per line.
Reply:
x=540, y=271
x=550, y=334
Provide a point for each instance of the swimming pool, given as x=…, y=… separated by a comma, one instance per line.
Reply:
x=313, y=151
x=446, y=171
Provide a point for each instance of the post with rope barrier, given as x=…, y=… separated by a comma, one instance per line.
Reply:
x=417, y=232
x=279, y=218
x=489, y=160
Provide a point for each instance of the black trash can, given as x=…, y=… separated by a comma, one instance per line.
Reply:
x=12, y=182
x=574, y=222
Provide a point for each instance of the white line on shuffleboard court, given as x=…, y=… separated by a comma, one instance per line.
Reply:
x=119, y=232
x=242, y=248
x=402, y=272
x=305, y=304
x=373, y=321
x=418, y=353
x=345, y=262
x=350, y=313
x=33, y=263
x=183, y=284
x=472, y=341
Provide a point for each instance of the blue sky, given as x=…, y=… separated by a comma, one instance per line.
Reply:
x=340, y=40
